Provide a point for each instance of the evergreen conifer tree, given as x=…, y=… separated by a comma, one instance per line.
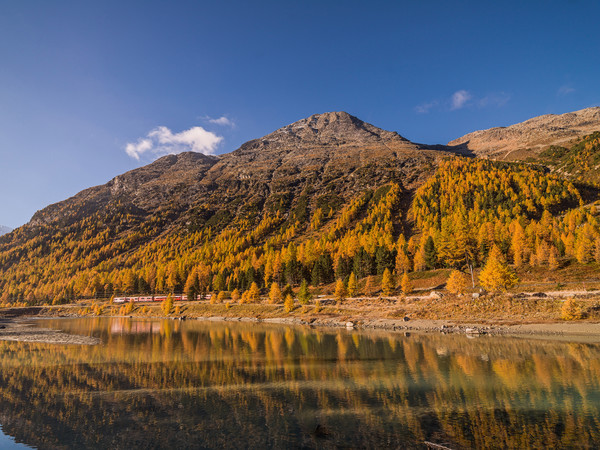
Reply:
x=304, y=295
x=430, y=254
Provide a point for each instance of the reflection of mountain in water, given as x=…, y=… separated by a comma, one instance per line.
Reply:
x=242, y=385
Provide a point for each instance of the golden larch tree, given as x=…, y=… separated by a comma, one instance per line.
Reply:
x=340, y=290
x=406, y=285
x=496, y=276
x=275, y=295
x=387, y=282
x=352, y=285
x=288, y=303
x=253, y=293
x=458, y=282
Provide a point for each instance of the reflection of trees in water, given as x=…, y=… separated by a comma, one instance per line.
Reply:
x=209, y=384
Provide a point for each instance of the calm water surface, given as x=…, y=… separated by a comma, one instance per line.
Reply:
x=167, y=384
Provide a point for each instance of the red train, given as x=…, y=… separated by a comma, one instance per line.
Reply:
x=156, y=298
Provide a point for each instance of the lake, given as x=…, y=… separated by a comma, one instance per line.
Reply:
x=199, y=384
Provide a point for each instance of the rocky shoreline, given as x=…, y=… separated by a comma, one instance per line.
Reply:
x=16, y=325
x=427, y=325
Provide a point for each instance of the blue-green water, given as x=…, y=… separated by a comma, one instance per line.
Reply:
x=193, y=384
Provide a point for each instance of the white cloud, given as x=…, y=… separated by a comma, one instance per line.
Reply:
x=564, y=90
x=162, y=141
x=224, y=121
x=464, y=99
x=426, y=107
x=140, y=147
x=459, y=99
x=494, y=99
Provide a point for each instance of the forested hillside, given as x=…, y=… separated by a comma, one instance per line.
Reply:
x=319, y=200
x=580, y=161
x=229, y=220
x=534, y=217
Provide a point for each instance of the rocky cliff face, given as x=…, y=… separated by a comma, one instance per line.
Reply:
x=535, y=134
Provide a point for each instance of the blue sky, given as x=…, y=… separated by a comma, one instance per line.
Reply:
x=80, y=80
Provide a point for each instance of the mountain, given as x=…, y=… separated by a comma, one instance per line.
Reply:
x=299, y=181
x=313, y=154
x=528, y=138
x=325, y=153
x=4, y=230
x=316, y=200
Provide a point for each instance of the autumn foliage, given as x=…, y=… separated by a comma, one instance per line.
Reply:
x=496, y=276
x=467, y=208
x=458, y=282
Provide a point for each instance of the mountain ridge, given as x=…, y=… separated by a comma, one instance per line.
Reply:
x=316, y=144
x=534, y=134
x=140, y=184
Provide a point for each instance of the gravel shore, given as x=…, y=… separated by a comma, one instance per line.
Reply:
x=17, y=330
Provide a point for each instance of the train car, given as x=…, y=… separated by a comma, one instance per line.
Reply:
x=156, y=298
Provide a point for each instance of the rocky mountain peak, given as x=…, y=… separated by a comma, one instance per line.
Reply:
x=326, y=129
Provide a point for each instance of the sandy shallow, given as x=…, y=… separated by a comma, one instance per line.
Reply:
x=27, y=332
